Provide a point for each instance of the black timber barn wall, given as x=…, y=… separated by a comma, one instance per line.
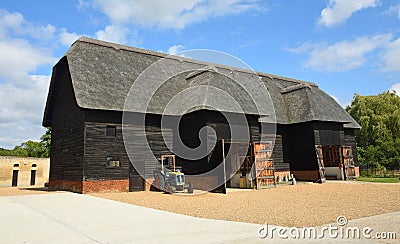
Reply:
x=99, y=146
x=328, y=133
x=67, y=139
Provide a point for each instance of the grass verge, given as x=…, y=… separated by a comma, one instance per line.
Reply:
x=379, y=180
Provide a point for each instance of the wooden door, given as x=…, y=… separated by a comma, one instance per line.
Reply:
x=15, y=178
x=320, y=161
x=264, y=166
x=348, y=163
x=136, y=182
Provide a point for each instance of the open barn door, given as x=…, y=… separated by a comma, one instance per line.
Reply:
x=264, y=166
x=320, y=161
x=348, y=163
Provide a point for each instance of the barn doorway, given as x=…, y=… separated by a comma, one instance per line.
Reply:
x=238, y=164
x=249, y=165
x=136, y=182
x=337, y=161
x=14, y=182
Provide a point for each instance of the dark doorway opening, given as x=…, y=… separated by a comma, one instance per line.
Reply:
x=15, y=178
x=136, y=182
x=33, y=177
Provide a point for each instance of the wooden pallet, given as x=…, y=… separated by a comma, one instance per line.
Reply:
x=264, y=166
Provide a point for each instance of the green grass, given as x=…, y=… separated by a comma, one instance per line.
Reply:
x=380, y=180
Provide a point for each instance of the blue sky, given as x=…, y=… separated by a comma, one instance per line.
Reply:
x=346, y=47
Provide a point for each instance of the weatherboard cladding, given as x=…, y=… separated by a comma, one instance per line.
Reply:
x=103, y=73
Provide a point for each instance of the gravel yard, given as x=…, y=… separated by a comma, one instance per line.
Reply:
x=300, y=205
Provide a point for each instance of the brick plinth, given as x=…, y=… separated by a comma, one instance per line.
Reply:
x=106, y=186
x=90, y=186
x=357, y=170
x=306, y=175
x=66, y=185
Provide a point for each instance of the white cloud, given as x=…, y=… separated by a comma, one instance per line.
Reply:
x=170, y=14
x=21, y=110
x=10, y=22
x=113, y=33
x=67, y=38
x=16, y=25
x=341, y=56
x=394, y=10
x=395, y=87
x=391, y=57
x=338, y=11
x=175, y=49
x=18, y=57
x=22, y=94
x=82, y=4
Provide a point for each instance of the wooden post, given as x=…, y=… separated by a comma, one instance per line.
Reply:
x=224, y=161
x=173, y=161
x=162, y=163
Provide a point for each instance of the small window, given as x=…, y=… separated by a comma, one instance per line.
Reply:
x=34, y=165
x=112, y=162
x=16, y=165
x=111, y=131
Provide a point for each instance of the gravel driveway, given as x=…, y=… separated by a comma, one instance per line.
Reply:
x=300, y=205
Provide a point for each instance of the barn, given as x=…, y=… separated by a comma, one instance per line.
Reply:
x=114, y=114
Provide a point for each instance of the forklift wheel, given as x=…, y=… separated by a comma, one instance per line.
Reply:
x=190, y=188
x=168, y=188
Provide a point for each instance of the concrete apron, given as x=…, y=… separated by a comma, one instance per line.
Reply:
x=75, y=218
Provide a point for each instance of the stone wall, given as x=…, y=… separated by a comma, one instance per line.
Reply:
x=24, y=167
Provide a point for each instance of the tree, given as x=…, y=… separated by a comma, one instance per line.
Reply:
x=378, y=140
x=45, y=141
x=31, y=148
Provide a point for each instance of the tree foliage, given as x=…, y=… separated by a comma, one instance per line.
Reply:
x=378, y=140
x=31, y=148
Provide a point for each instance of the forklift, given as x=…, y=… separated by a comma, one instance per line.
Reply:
x=169, y=179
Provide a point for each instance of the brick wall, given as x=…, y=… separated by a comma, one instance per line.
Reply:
x=65, y=185
x=106, y=186
x=357, y=170
x=306, y=175
x=90, y=186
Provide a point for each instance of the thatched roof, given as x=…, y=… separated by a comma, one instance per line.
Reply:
x=103, y=74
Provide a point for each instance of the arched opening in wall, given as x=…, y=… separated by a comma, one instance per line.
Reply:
x=15, y=178
x=33, y=175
